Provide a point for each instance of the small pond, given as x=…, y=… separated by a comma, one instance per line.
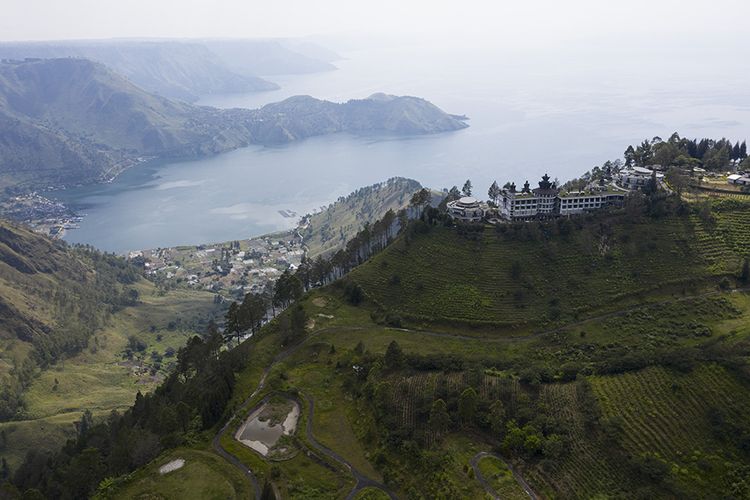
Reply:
x=267, y=427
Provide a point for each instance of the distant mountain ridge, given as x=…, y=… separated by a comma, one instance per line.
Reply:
x=71, y=121
x=177, y=70
x=271, y=57
x=187, y=69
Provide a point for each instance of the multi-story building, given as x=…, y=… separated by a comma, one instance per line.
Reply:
x=548, y=201
x=577, y=202
x=636, y=177
x=529, y=203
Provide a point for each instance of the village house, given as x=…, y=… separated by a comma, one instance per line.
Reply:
x=739, y=179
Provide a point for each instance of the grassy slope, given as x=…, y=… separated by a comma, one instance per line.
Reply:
x=98, y=378
x=589, y=469
x=442, y=276
x=330, y=229
x=501, y=479
x=204, y=476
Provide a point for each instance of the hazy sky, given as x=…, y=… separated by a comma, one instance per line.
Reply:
x=460, y=22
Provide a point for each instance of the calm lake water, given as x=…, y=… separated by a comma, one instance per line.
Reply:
x=529, y=114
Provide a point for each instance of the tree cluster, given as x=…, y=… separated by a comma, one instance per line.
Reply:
x=193, y=398
x=711, y=154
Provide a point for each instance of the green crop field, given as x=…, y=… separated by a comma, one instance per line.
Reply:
x=441, y=276
x=587, y=470
x=669, y=414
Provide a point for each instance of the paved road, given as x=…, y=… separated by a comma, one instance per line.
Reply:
x=485, y=483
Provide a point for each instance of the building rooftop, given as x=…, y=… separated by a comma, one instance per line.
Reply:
x=641, y=170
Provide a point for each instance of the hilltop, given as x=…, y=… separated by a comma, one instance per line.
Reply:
x=327, y=231
x=534, y=274
x=71, y=121
x=304, y=116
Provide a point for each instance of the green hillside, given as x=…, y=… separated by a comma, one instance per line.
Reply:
x=69, y=320
x=638, y=387
x=537, y=274
x=328, y=230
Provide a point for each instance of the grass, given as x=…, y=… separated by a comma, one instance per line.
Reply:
x=440, y=277
x=501, y=479
x=99, y=378
x=370, y=493
x=43, y=434
x=337, y=418
x=299, y=477
x=204, y=476
x=667, y=413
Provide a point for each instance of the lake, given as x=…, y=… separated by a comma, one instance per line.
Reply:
x=529, y=113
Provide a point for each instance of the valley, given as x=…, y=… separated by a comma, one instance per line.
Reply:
x=260, y=268
x=556, y=396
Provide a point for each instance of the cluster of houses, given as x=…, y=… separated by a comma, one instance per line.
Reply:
x=548, y=200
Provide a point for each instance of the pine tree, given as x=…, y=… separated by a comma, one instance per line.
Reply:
x=494, y=192
x=440, y=421
x=394, y=357
x=467, y=406
x=233, y=324
x=466, y=190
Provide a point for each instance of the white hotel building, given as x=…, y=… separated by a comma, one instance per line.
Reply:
x=548, y=201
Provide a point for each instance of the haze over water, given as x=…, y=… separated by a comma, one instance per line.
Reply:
x=530, y=113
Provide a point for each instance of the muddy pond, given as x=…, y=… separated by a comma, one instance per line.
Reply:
x=268, y=429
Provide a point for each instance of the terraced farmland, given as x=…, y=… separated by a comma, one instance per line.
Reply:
x=410, y=397
x=587, y=470
x=502, y=281
x=724, y=239
x=668, y=414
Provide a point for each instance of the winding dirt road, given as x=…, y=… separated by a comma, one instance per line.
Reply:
x=486, y=484
x=362, y=481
